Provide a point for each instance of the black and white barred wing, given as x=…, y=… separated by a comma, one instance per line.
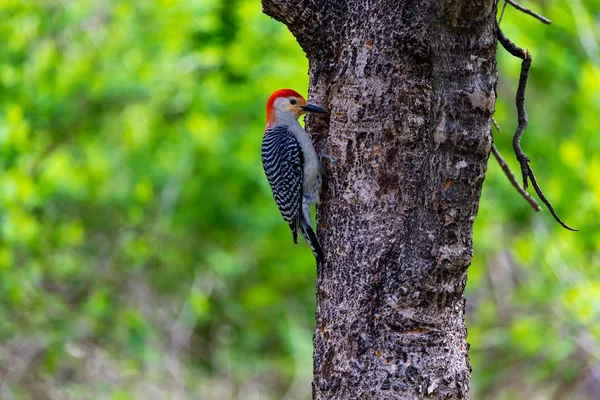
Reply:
x=283, y=163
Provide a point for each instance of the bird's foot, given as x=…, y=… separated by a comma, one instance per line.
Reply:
x=327, y=156
x=330, y=158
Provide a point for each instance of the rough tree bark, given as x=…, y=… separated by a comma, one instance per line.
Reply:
x=411, y=90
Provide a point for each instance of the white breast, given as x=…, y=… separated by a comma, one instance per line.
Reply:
x=312, y=167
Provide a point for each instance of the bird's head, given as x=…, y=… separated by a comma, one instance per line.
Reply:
x=287, y=105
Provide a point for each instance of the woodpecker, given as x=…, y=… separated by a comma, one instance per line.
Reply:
x=291, y=163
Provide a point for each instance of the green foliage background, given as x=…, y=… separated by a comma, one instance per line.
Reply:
x=142, y=256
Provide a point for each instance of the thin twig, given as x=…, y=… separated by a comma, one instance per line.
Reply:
x=513, y=180
x=522, y=119
x=511, y=177
x=496, y=125
x=526, y=11
x=520, y=100
x=502, y=13
x=539, y=192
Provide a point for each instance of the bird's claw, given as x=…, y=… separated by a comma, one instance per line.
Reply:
x=330, y=158
x=327, y=156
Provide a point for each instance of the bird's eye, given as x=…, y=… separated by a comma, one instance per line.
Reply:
x=292, y=101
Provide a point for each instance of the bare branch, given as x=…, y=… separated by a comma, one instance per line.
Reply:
x=513, y=180
x=502, y=12
x=510, y=175
x=539, y=192
x=496, y=125
x=522, y=121
x=526, y=11
x=520, y=100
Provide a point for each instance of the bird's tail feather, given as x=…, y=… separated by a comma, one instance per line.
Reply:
x=311, y=239
x=294, y=228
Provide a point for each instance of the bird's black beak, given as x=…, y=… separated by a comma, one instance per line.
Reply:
x=312, y=108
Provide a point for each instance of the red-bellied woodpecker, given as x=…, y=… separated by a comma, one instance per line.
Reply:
x=291, y=163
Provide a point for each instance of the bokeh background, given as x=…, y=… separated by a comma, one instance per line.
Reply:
x=141, y=253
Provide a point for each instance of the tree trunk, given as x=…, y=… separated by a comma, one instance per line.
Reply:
x=411, y=90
